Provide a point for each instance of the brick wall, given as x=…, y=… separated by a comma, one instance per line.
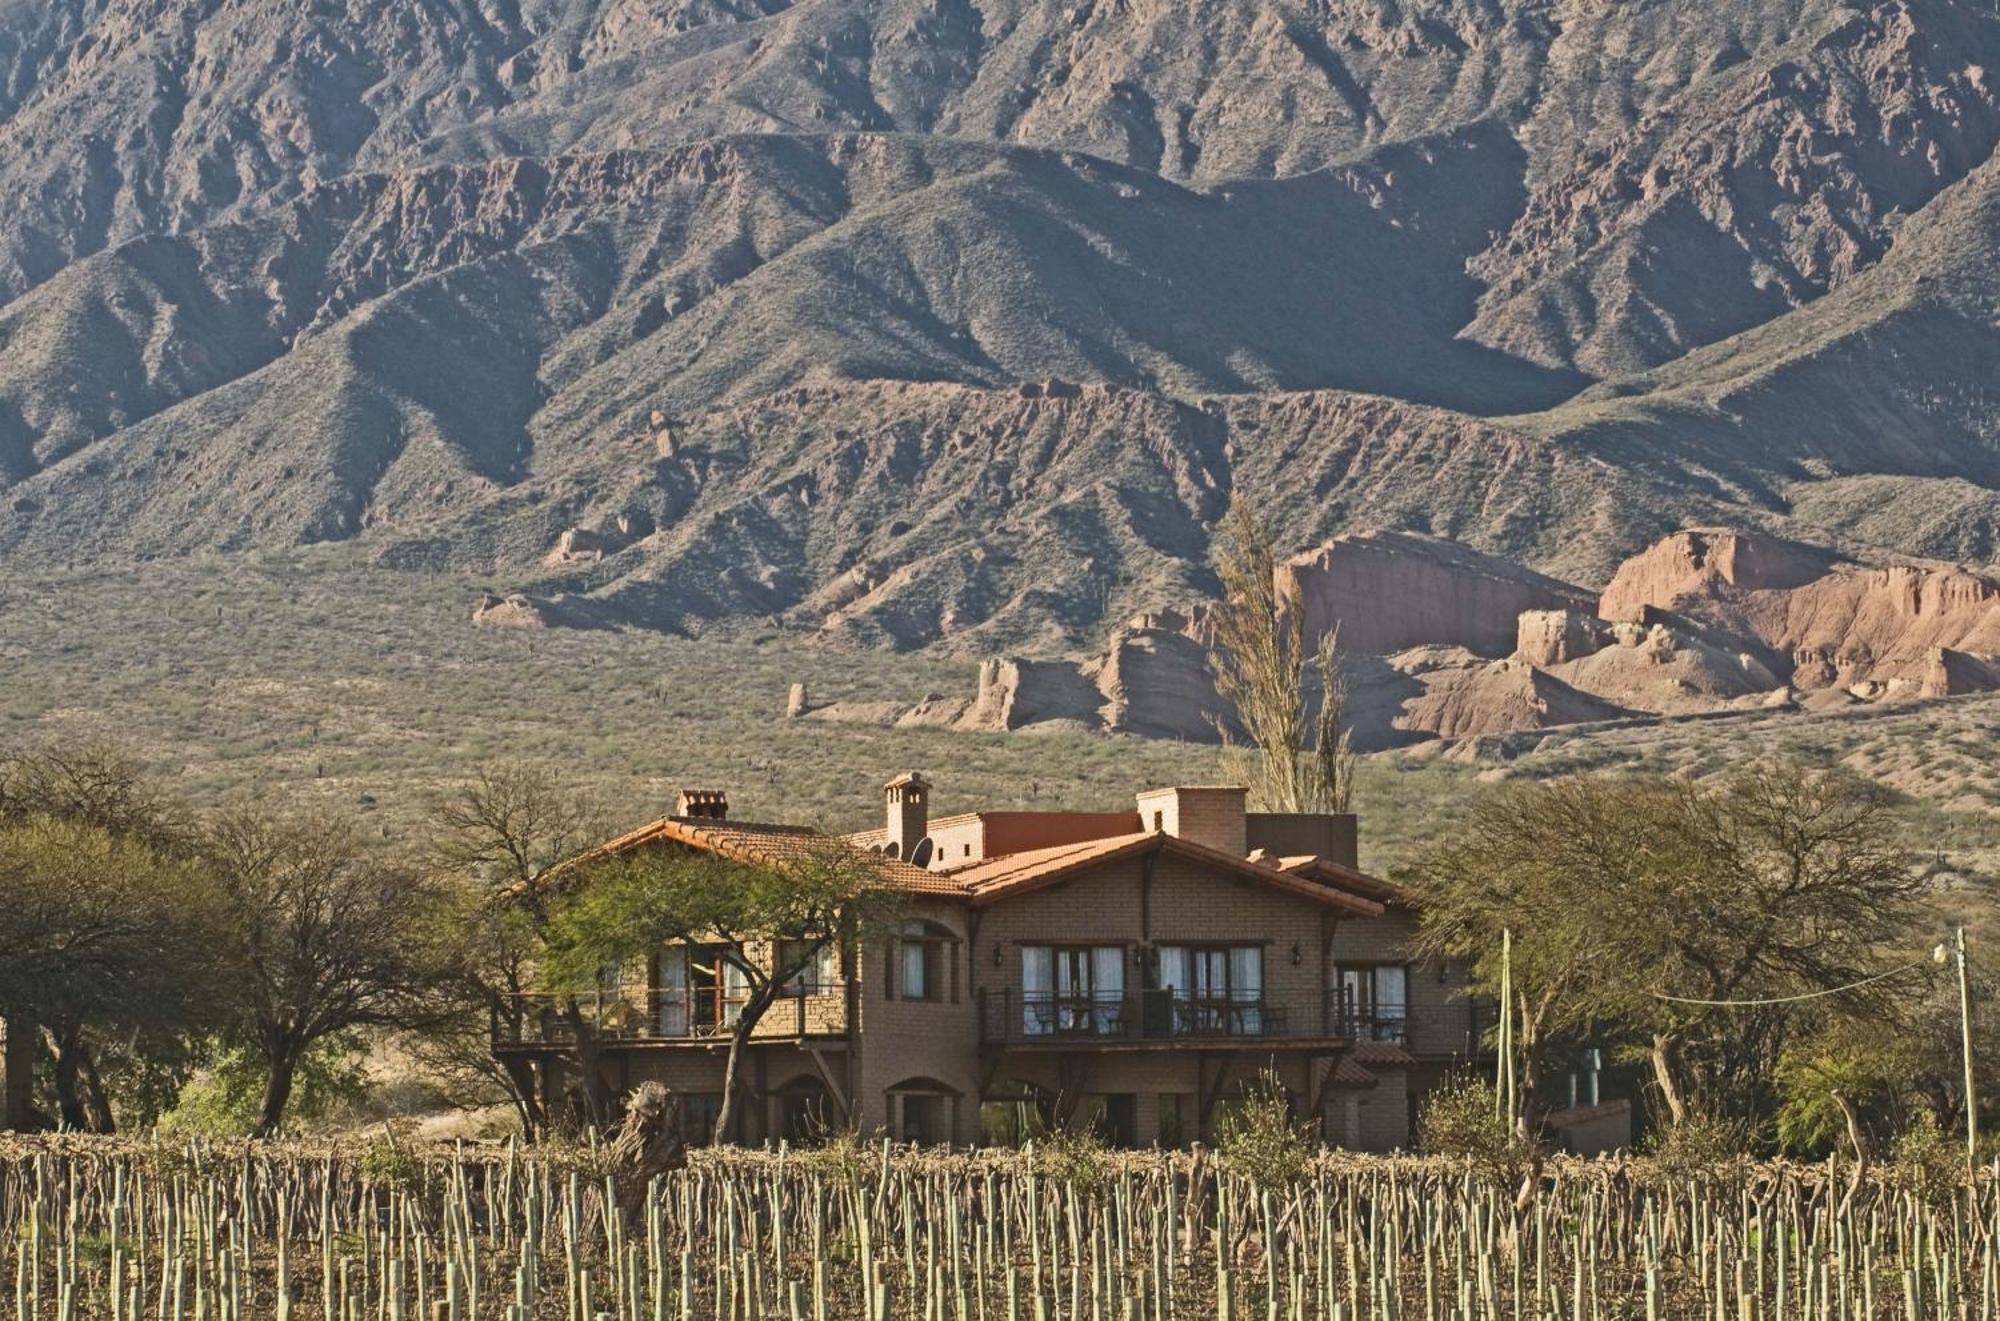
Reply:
x=1439, y=1011
x=1211, y=815
x=902, y=1039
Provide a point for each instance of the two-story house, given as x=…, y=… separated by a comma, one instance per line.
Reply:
x=1135, y=968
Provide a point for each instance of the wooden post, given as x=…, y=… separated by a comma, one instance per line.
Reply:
x=1971, y=1094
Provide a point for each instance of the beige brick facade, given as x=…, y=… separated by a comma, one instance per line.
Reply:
x=974, y=1043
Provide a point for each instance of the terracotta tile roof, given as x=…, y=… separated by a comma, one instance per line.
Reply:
x=1350, y=1072
x=1019, y=873
x=1383, y=1054
x=759, y=843
x=1347, y=878
x=752, y=842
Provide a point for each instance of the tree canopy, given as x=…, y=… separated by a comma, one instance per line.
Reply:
x=1656, y=910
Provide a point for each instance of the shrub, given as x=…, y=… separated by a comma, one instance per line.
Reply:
x=1925, y=1160
x=1701, y=1146
x=1460, y=1121
x=1260, y=1140
x=1073, y=1155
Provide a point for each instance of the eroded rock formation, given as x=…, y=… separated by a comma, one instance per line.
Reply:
x=1440, y=642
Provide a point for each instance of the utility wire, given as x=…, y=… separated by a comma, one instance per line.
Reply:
x=1792, y=999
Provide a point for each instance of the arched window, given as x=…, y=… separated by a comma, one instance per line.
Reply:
x=923, y=963
x=923, y=1111
x=805, y=1111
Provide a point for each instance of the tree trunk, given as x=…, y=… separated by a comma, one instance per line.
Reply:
x=1665, y=1045
x=96, y=1104
x=17, y=1074
x=650, y=1143
x=277, y=1094
x=1857, y=1137
x=520, y=1083
x=753, y=1012
x=1526, y=1130
x=590, y=1075
x=69, y=1093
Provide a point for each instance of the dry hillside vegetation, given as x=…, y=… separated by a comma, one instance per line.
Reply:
x=310, y=675
x=941, y=325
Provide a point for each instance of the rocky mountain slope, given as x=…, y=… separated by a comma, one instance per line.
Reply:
x=915, y=323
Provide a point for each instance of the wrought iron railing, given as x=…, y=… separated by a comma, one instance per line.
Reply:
x=675, y=1015
x=1055, y=1018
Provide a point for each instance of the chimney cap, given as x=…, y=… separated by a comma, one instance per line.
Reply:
x=909, y=779
x=702, y=805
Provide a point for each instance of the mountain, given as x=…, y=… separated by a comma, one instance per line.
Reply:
x=918, y=323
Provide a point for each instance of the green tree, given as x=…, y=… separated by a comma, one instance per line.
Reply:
x=1658, y=907
x=96, y=785
x=627, y=907
x=100, y=932
x=1546, y=862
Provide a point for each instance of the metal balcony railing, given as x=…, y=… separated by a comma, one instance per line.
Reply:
x=677, y=1015
x=1010, y=1017
x=1007, y=1016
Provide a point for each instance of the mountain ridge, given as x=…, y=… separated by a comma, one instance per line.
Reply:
x=914, y=324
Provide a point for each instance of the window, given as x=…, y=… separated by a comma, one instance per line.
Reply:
x=821, y=973
x=925, y=1117
x=699, y=1113
x=1072, y=990
x=1114, y=1118
x=698, y=989
x=1375, y=1001
x=921, y=972
x=1218, y=990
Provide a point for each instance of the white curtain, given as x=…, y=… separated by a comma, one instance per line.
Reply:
x=1392, y=1000
x=673, y=991
x=1107, y=983
x=1392, y=991
x=1246, y=987
x=1037, y=981
x=913, y=985
x=1174, y=967
x=735, y=990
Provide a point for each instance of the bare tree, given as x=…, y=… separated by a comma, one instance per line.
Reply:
x=493, y=837
x=1296, y=762
x=328, y=939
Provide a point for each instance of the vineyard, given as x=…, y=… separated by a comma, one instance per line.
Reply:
x=387, y=1232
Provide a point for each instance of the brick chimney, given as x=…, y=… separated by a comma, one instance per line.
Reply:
x=702, y=805
x=908, y=801
x=1205, y=814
